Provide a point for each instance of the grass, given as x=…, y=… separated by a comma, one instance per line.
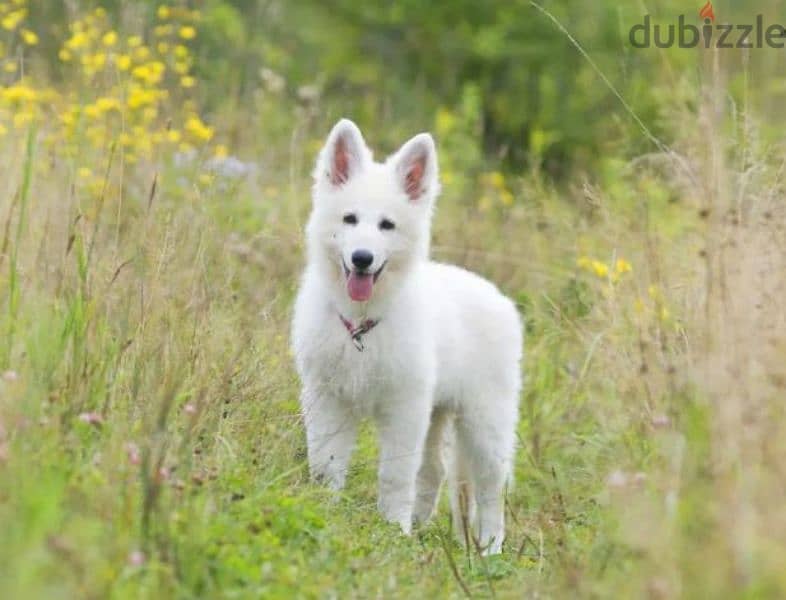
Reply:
x=150, y=441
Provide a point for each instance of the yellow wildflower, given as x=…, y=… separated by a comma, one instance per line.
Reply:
x=12, y=20
x=163, y=12
x=221, y=151
x=600, y=269
x=151, y=73
x=68, y=119
x=445, y=121
x=92, y=111
x=19, y=93
x=187, y=81
x=584, y=262
x=623, y=266
x=187, y=32
x=123, y=62
x=29, y=37
x=198, y=129
x=109, y=39
x=77, y=41
x=96, y=61
x=139, y=97
x=497, y=179
x=107, y=104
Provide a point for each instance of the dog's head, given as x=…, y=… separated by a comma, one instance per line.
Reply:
x=371, y=221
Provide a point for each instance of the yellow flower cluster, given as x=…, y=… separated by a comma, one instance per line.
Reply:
x=12, y=14
x=128, y=90
x=655, y=305
x=495, y=191
x=604, y=271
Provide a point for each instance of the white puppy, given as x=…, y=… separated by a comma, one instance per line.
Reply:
x=429, y=351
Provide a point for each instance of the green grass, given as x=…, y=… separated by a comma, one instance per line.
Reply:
x=150, y=441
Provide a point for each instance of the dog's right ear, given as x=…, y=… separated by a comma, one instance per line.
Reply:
x=344, y=155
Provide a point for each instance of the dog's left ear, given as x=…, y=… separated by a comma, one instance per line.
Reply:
x=416, y=168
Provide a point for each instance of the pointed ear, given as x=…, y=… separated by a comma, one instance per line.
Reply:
x=416, y=168
x=344, y=155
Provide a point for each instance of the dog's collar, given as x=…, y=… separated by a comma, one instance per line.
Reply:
x=357, y=333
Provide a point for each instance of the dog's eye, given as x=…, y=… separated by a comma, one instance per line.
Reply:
x=387, y=224
x=351, y=219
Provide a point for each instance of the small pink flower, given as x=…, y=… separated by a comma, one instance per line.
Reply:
x=163, y=474
x=10, y=376
x=132, y=451
x=190, y=409
x=660, y=421
x=617, y=479
x=92, y=418
x=137, y=558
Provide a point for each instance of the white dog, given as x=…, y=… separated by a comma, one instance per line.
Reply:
x=430, y=351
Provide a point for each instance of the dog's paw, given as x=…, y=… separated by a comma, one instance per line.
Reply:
x=422, y=515
x=400, y=515
x=328, y=478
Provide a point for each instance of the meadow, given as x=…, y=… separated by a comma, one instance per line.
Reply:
x=153, y=194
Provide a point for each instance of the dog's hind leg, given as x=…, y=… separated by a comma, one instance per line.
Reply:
x=432, y=469
x=485, y=442
x=462, y=492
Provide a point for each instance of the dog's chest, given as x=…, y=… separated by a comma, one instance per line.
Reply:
x=361, y=371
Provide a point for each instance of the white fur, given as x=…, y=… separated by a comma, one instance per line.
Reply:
x=440, y=370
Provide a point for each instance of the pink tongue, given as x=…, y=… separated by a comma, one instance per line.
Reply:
x=359, y=286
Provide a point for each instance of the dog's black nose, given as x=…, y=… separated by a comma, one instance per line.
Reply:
x=362, y=259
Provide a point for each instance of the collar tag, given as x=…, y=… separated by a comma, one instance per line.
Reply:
x=356, y=333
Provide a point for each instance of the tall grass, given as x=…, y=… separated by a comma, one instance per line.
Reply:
x=150, y=442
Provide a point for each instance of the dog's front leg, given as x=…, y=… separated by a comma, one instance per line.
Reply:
x=331, y=430
x=402, y=431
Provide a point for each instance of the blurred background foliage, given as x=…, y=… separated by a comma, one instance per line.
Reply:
x=495, y=78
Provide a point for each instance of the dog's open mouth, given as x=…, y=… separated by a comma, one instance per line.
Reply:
x=360, y=284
